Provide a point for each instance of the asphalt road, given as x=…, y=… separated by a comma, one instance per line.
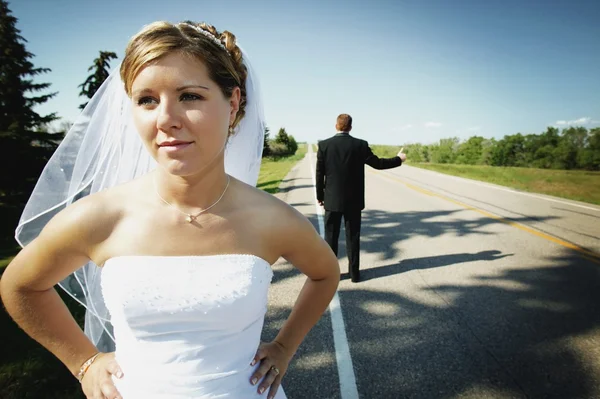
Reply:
x=468, y=290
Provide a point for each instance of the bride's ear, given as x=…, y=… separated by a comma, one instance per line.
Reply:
x=234, y=104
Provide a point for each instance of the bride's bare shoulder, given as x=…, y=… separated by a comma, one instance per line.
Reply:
x=97, y=214
x=267, y=210
x=281, y=229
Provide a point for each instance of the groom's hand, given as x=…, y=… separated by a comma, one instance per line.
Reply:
x=321, y=203
x=402, y=155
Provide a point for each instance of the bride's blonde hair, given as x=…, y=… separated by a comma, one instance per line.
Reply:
x=218, y=51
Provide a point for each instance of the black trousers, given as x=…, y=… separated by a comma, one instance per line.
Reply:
x=332, y=233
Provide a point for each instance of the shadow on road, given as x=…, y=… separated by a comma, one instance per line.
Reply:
x=529, y=332
x=525, y=333
x=429, y=262
x=381, y=230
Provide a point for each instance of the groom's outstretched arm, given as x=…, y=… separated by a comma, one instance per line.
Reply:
x=320, y=174
x=380, y=163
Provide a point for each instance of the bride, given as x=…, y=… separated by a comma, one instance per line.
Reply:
x=148, y=215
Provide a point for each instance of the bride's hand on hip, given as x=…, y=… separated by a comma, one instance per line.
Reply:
x=97, y=382
x=274, y=361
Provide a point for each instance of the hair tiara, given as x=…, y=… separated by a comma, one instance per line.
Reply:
x=210, y=36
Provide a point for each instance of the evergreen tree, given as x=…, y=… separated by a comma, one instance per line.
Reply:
x=282, y=137
x=16, y=73
x=266, y=148
x=21, y=128
x=101, y=70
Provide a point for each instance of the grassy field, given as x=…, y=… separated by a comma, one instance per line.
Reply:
x=571, y=184
x=274, y=170
x=29, y=371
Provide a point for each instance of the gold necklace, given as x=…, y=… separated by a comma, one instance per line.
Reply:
x=188, y=216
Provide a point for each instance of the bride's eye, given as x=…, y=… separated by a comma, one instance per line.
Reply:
x=190, y=97
x=145, y=101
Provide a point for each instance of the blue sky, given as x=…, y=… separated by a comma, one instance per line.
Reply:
x=407, y=71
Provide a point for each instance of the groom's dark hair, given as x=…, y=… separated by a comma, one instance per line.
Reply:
x=344, y=123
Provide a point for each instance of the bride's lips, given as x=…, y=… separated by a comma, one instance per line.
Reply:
x=175, y=145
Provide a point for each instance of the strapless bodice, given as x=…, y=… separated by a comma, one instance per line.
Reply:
x=186, y=326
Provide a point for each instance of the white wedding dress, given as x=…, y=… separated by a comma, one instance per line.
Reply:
x=187, y=326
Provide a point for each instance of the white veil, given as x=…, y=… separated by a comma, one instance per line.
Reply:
x=102, y=149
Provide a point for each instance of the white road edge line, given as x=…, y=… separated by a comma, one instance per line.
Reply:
x=479, y=183
x=348, y=388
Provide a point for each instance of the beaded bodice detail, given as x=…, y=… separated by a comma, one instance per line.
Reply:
x=186, y=326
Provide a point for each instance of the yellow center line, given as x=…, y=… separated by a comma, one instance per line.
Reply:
x=589, y=255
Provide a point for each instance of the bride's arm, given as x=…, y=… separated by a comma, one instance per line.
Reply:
x=27, y=285
x=298, y=242
x=311, y=255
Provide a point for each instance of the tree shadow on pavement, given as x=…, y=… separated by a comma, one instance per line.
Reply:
x=429, y=262
x=380, y=229
x=524, y=332
x=529, y=332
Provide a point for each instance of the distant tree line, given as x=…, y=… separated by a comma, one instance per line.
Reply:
x=571, y=148
x=282, y=145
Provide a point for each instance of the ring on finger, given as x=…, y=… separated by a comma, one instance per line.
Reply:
x=275, y=370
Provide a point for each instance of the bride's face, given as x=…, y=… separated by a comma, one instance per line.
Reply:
x=181, y=114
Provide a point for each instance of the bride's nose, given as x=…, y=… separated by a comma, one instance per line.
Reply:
x=168, y=116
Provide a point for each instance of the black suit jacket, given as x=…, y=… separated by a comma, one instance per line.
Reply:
x=340, y=176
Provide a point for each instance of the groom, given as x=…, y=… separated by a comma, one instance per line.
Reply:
x=340, y=186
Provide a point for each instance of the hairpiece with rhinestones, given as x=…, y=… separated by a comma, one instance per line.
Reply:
x=210, y=36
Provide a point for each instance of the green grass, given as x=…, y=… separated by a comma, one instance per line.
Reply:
x=6, y=257
x=577, y=185
x=273, y=170
x=27, y=370
x=571, y=184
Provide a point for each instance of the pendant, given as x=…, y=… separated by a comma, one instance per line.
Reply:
x=189, y=219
